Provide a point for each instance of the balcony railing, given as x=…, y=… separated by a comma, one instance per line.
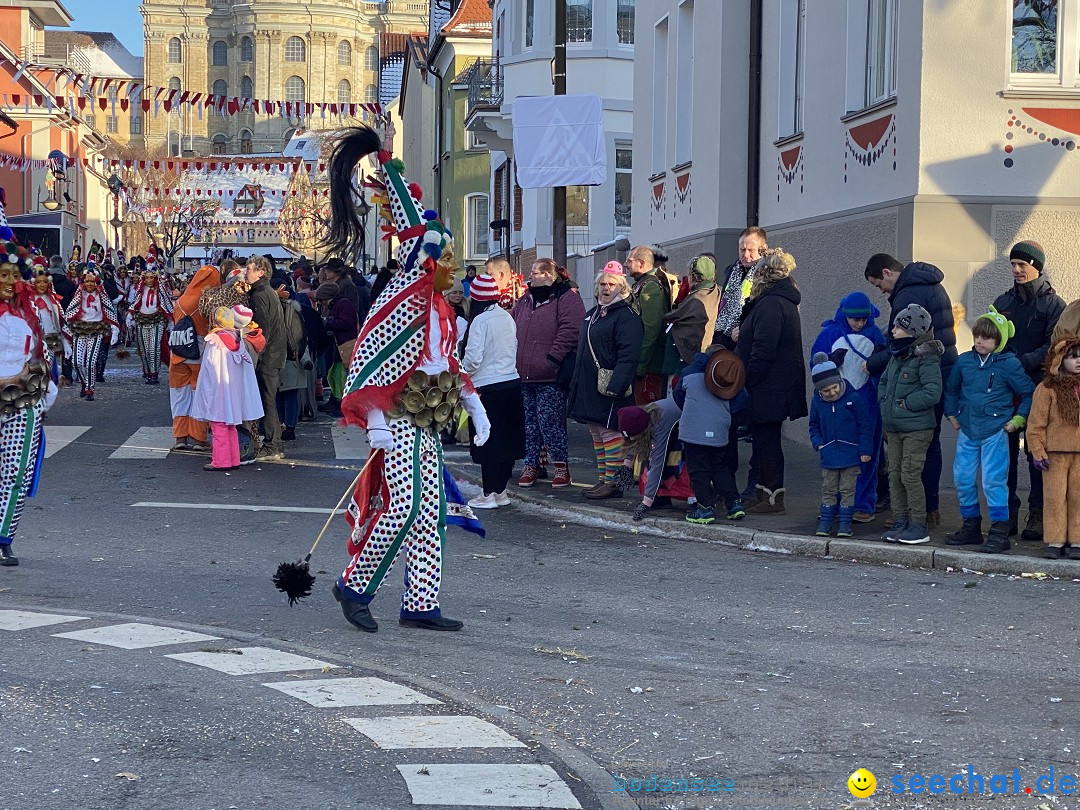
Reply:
x=61, y=54
x=485, y=80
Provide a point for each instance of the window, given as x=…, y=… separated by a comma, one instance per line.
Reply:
x=659, y=115
x=530, y=22
x=91, y=121
x=175, y=52
x=136, y=125
x=174, y=85
x=371, y=58
x=295, y=50
x=344, y=52
x=577, y=206
x=1035, y=38
x=478, y=228
x=624, y=21
x=251, y=234
x=344, y=92
x=371, y=94
x=221, y=88
x=881, y=36
x=112, y=95
x=220, y=54
x=247, y=49
x=578, y=20
x=684, y=83
x=218, y=145
x=792, y=67
x=110, y=124
x=624, y=165
x=294, y=89
x=245, y=87
x=245, y=142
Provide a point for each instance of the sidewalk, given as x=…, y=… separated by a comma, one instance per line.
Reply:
x=792, y=532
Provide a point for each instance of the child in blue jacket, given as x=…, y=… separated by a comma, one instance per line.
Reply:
x=979, y=397
x=842, y=431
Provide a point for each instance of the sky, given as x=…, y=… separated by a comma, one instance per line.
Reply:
x=119, y=17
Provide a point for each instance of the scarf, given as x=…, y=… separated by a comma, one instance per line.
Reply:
x=541, y=294
x=149, y=297
x=731, y=302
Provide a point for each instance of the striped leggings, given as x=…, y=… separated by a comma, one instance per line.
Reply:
x=149, y=340
x=608, y=447
x=87, y=350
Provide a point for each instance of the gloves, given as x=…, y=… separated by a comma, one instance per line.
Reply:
x=475, y=408
x=378, y=434
x=639, y=511
x=838, y=357
x=115, y=336
x=1042, y=464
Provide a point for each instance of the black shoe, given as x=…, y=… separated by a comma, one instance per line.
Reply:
x=7, y=558
x=1054, y=553
x=438, y=623
x=288, y=434
x=356, y=613
x=997, y=539
x=82, y=393
x=89, y=396
x=1033, y=531
x=970, y=534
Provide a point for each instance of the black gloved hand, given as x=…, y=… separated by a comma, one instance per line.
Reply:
x=639, y=511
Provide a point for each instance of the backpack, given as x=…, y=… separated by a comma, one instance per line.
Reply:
x=294, y=330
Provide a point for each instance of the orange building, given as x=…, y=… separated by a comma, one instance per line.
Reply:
x=53, y=199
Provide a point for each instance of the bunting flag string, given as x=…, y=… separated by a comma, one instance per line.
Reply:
x=157, y=191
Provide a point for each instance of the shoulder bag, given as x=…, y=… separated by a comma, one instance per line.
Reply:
x=603, y=375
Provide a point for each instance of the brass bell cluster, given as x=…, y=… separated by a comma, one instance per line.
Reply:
x=25, y=390
x=429, y=400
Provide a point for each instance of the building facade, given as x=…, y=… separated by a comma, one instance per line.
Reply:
x=312, y=52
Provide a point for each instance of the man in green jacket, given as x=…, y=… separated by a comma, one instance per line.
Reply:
x=654, y=302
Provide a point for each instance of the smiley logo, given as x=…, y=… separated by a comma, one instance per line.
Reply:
x=862, y=783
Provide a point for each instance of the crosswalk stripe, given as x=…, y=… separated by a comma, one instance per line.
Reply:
x=24, y=620
x=433, y=731
x=146, y=442
x=57, y=437
x=340, y=692
x=236, y=507
x=251, y=661
x=487, y=785
x=349, y=442
x=135, y=636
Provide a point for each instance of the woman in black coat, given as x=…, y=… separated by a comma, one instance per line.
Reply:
x=770, y=346
x=610, y=339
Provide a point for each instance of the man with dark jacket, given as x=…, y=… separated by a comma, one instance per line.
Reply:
x=918, y=283
x=653, y=300
x=1034, y=308
x=338, y=273
x=266, y=309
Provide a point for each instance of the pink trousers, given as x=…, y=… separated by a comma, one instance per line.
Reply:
x=226, y=452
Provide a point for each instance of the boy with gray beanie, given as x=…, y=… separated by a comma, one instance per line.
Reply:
x=909, y=389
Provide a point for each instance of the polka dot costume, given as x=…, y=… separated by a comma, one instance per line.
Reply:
x=20, y=435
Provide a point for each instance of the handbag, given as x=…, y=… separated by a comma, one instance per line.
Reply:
x=345, y=351
x=603, y=375
x=183, y=342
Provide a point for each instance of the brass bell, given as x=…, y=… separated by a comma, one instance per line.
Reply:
x=8, y=409
x=397, y=410
x=424, y=418
x=446, y=380
x=453, y=396
x=9, y=392
x=414, y=402
x=443, y=413
x=433, y=396
x=33, y=383
x=24, y=401
x=418, y=381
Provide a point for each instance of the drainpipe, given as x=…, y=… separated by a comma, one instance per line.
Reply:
x=753, y=146
x=439, y=136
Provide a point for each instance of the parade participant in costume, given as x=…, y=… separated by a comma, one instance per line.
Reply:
x=26, y=390
x=404, y=385
x=151, y=305
x=183, y=371
x=47, y=304
x=91, y=317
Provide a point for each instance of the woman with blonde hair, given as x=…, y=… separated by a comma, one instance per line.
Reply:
x=607, y=356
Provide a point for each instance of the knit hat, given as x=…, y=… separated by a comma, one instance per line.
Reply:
x=1030, y=252
x=327, y=290
x=703, y=270
x=824, y=372
x=914, y=319
x=857, y=304
x=633, y=421
x=242, y=316
x=484, y=288
x=613, y=268
x=1005, y=327
x=224, y=317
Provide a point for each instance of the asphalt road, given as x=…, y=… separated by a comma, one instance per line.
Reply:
x=636, y=653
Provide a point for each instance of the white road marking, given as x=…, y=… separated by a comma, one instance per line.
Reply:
x=135, y=636
x=250, y=661
x=433, y=731
x=57, y=437
x=349, y=442
x=146, y=442
x=487, y=786
x=339, y=692
x=236, y=507
x=23, y=620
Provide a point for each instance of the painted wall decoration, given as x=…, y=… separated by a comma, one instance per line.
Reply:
x=1036, y=121
x=682, y=194
x=868, y=143
x=659, y=197
x=789, y=165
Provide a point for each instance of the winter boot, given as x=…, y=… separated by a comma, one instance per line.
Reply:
x=1014, y=520
x=825, y=519
x=997, y=539
x=969, y=534
x=562, y=475
x=1034, y=529
x=771, y=502
x=843, y=523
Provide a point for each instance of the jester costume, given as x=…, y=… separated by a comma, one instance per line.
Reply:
x=26, y=392
x=150, y=304
x=403, y=386
x=47, y=305
x=91, y=318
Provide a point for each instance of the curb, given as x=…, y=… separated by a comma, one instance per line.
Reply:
x=863, y=551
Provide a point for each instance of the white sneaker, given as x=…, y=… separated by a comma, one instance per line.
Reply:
x=501, y=498
x=483, y=502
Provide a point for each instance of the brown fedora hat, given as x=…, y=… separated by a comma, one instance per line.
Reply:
x=725, y=375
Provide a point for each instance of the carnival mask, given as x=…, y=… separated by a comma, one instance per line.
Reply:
x=90, y=284
x=9, y=277
x=42, y=282
x=446, y=270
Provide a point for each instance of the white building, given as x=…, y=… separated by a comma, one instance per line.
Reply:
x=931, y=130
x=600, y=60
